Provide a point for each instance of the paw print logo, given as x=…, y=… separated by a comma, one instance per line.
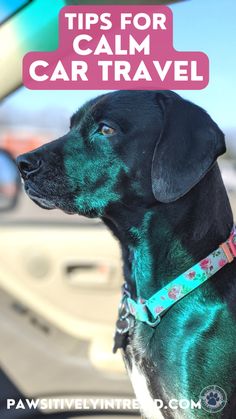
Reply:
x=213, y=399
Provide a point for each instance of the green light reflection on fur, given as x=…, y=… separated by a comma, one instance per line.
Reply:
x=197, y=341
x=146, y=249
x=142, y=262
x=94, y=172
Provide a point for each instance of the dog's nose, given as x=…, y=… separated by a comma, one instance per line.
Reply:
x=27, y=165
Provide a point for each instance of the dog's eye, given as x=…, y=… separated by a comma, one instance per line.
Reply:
x=106, y=130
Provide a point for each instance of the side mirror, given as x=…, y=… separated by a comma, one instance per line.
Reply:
x=9, y=181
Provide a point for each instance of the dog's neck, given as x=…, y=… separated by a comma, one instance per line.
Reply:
x=162, y=241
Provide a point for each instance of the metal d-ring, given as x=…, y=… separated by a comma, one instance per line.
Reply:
x=126, y=329
x=123, y=307
x=154, y=323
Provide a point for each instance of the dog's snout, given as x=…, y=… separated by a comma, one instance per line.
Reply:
x=28, y=165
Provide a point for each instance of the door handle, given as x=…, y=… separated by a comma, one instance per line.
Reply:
x=89, y=274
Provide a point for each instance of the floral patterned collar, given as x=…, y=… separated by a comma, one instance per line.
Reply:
x=150, y=311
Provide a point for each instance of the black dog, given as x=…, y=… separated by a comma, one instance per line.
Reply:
x=145, y=162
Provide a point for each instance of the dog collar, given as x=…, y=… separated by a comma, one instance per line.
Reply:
x=150, y=311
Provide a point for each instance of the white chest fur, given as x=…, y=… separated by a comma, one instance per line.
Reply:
x=146, y=402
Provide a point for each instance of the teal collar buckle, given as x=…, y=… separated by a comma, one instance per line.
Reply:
x=150, y=311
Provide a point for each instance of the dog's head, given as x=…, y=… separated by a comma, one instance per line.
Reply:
x=126, y=147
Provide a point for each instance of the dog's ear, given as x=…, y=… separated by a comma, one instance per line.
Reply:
x=188, y=146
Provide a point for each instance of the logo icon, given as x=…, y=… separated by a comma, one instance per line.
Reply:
x=213, y=399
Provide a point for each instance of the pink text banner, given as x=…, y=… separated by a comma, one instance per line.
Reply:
x=115, y=47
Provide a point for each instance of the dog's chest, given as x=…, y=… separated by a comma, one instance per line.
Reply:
x=142, y=392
